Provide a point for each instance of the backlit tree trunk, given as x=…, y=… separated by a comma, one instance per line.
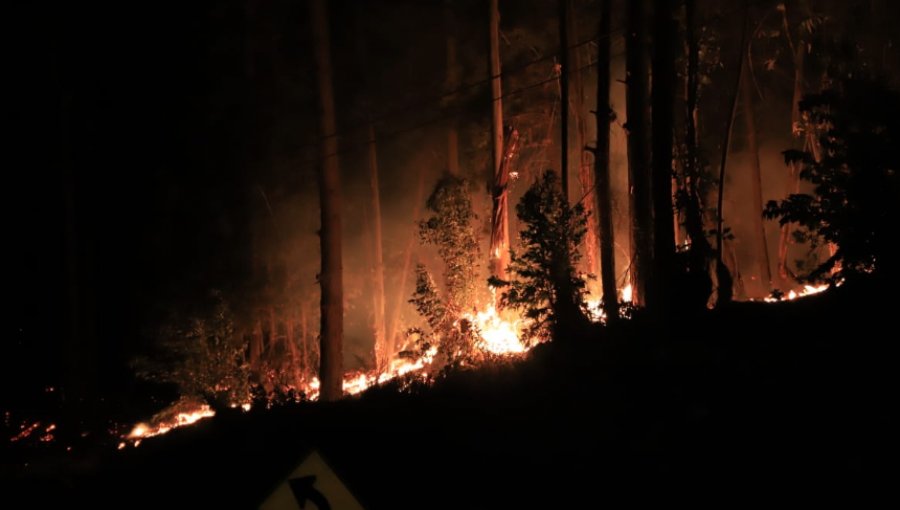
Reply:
x=394, y=323
x=601, y=167
x=585, y=173
x=293, y=352
x=700, y=250
x=636, y=105
x=382, y=355
x=499, y=252
x=663, y=99
x=564, y=95
x=331, y=276
x=724, y=280
x=792, y=183
x=756, y=201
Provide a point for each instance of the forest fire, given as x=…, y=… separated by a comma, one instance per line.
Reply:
x=498, y=335
x=807, y=290
x=499, y=332
x=143, y=430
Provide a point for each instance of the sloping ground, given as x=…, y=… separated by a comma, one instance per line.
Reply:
x=746, y=402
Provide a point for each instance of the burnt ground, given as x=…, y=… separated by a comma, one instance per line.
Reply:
x=753, y=401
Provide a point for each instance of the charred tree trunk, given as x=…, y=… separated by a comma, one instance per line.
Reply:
x=331, y=277
x=637, y=101
x=564, y=96
x=390, y=343
x=725, y=282
x=663, y=99
x=756, y=199
x=601, y=167
x=700, y=284
x=451, y=84
x=499, y=252
x=382, y=355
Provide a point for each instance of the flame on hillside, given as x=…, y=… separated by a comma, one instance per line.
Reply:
x=499, y=333
x=807, y=290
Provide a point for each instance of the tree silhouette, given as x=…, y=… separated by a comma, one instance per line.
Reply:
x=856, y=187
x=544, y=282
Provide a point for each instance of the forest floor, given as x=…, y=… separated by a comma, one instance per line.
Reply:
x=751, y=401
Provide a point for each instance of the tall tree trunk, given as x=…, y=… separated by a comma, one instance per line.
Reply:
x=382, y=355
x=585, y=172
x=601, y=167
x=451, y=84
x=663, y=99
x=393, y=324
x=724, y=279
x=564, y=95
x=792, y=183
x=331, y=276
x=700, y=250
x=756, y=199
x=636, y=105
x=499, y=252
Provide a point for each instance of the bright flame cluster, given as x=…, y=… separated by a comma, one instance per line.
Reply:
x=144, y=430
x=498, y=335
x=807, y=290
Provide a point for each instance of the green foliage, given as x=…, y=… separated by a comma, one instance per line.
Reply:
x=545, y=284
x=856, y=187
x=201, y=356
x=453, y=336
x=450, y=230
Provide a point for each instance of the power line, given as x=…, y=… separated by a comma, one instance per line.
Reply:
x=436, y=100
x=348, y=149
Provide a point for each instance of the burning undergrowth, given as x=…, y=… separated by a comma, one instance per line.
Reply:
x=463, y=324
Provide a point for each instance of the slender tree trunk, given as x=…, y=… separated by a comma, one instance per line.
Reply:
x=305, y=348
x=382, y=355
x=256, y=346
x=331, y=277
x=451, y=84
x=291, y=339
x=663, y=99
x=792, y=183
x=601, y=167
x=637, y=102
x=756, y=199
x=564, y=95
x=499, y=252
x=585, y=172
x=273, y=328
x=393, y=324
x=700, y=250
x=725, y=282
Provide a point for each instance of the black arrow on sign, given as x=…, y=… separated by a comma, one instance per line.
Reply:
x=303, y=490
